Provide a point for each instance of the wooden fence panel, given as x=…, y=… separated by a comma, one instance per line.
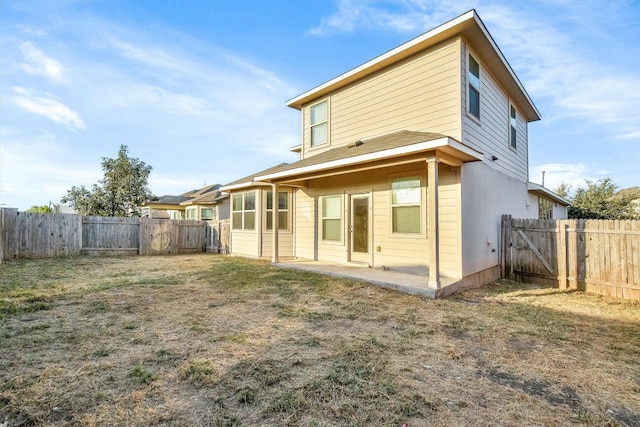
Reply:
x=40, y=235
x=162, y=236
x=597, y=256
x=102, y=235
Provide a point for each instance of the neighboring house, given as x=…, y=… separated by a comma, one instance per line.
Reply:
x=207, y=203
x=406, y=162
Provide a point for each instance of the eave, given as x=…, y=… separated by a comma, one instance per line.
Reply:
x=539, y=190
x=447, y=149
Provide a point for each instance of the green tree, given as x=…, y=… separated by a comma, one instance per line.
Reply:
x=599, y=200
x=122, y=191
x=39, y=209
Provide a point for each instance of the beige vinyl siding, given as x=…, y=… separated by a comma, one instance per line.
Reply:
x=421, y=93
x=245, y=243
x=491, y=135
x=304, y=211
x=449, y=194
x=285, y=244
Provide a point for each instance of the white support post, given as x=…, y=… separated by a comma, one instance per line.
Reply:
x=433, y=228
x=274, y=223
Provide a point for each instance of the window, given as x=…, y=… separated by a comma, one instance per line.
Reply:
x=192, y=213
x=283, y=210
x=331, y=218
x=545, y=208
x=244, y=211
x=513, y=125
x=406, y=195
x=319, y=124
x=206, y=214
x=474, y=87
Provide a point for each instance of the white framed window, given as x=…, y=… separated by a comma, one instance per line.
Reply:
x=331, y=218
x=513, y=127
x=244, y=211
x=192, y=213
x=474, y=87
x=206, y=214
x=283, y=210
x=406, y=205
x=319, y=123
x=545, y=208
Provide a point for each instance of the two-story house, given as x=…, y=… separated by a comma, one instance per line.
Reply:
x=407, y=162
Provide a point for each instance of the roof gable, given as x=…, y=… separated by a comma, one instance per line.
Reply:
x=468, y=25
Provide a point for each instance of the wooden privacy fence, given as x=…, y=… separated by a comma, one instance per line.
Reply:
x=36, y=235
x=597, y=256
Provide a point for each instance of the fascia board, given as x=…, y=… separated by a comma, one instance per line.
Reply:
x=378, y=155
x=243, y=185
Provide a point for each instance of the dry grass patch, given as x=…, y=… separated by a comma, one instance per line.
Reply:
x=212, y=340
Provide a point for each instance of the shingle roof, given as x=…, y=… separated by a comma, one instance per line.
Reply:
x=249, y=178
x=169, y=200
x=402, y=138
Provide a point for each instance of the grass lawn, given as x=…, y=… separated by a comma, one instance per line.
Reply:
x=220, y=341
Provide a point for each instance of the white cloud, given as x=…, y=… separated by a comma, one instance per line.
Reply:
x=399, y=16
x=560, y=68
x=38, y=64
x=46, y=105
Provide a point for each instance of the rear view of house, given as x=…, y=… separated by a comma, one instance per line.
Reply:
x=407, y=162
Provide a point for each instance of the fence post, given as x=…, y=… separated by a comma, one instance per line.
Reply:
x=505, y=256
x=563, y=243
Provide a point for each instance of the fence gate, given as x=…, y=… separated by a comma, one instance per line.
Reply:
x=593, y=255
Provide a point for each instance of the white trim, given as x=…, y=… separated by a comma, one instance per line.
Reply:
x=244, y=185
x=378, y=155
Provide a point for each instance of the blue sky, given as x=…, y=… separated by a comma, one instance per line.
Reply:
x=197, y=89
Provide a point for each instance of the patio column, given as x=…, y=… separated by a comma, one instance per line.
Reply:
x=433, y=229
x=274, y=222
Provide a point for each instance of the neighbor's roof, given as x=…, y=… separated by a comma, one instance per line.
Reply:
x=378, y=148
x=169, y=200
x=539, y=190
x=471, y=27
x=249, y=180
x=209, y=195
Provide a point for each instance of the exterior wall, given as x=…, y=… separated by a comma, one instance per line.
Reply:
x=305, y=225
x=490, y=135
x=247, y=242
x=420, y=93
x=559, y=211
x=402, y=252
x=224, y=209
x=487, y=194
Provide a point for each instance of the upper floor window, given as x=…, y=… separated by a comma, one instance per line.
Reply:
x=283, y=210
x=244, y=211
x=332, y=218
x=513, y=123
x=474, y=87
x=319, y=124
x=406, y=196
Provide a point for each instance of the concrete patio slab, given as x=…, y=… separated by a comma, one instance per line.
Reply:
x=415, y=284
